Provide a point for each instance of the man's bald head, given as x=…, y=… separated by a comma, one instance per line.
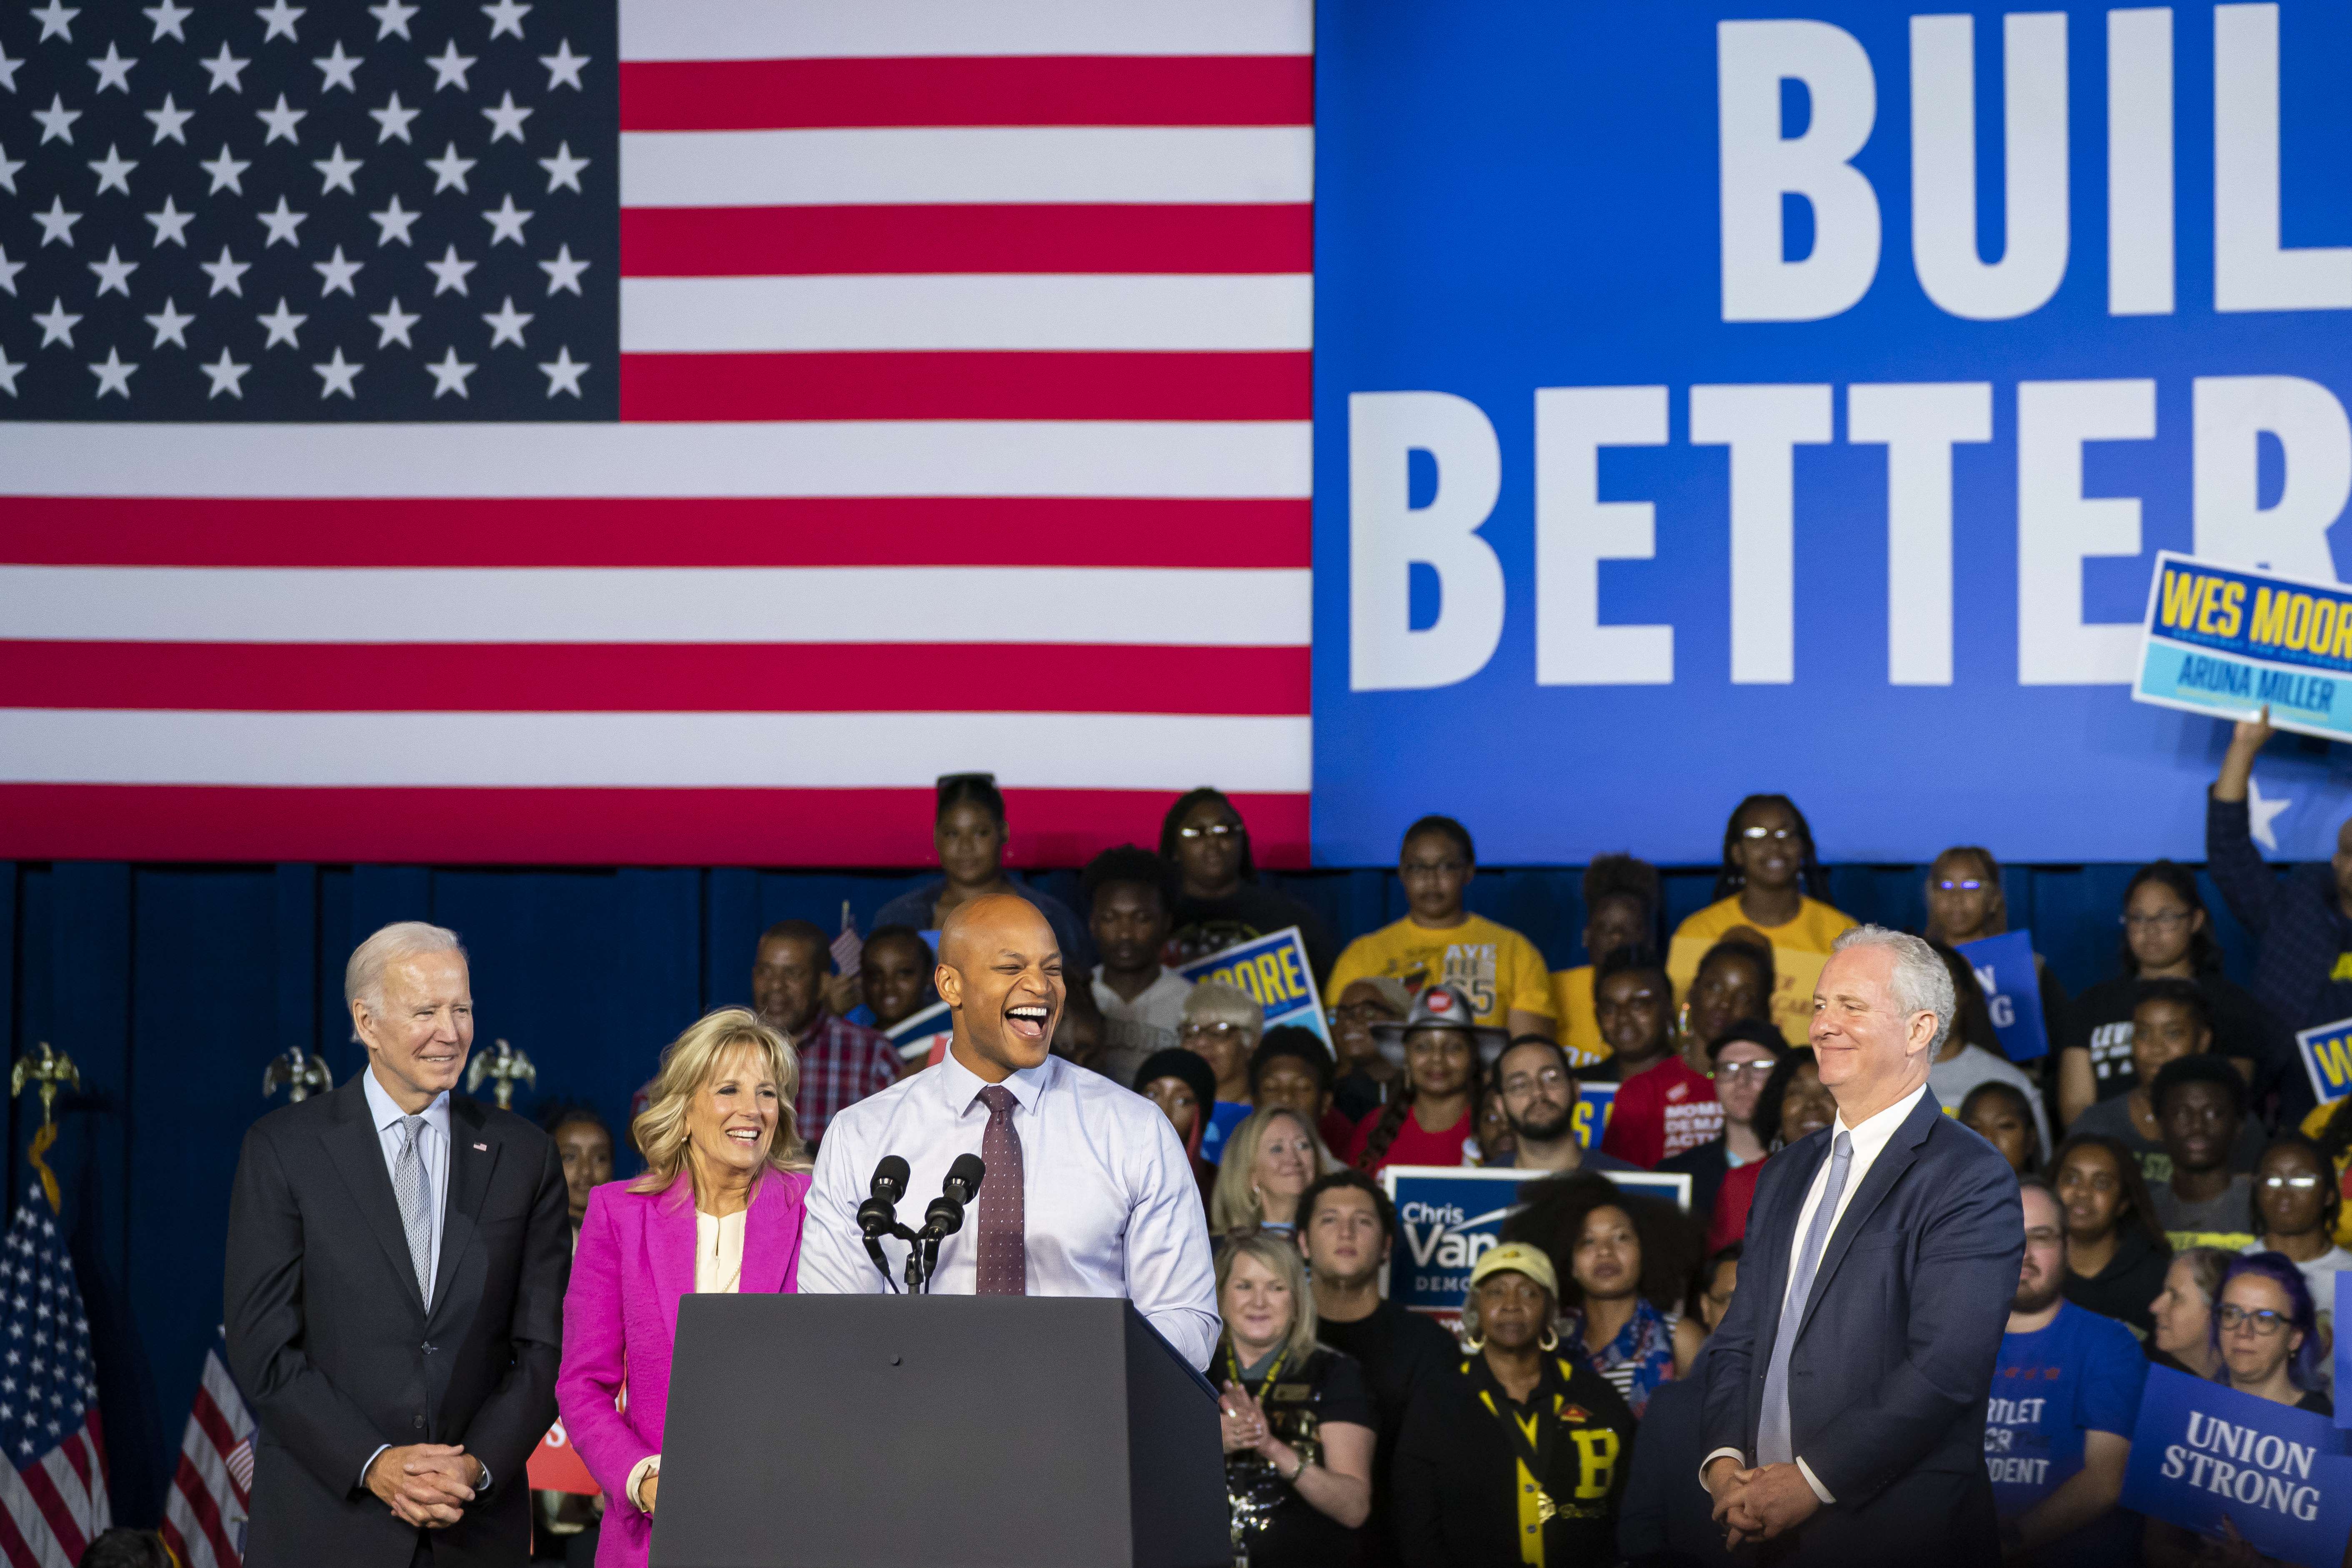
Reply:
x=1001, y=975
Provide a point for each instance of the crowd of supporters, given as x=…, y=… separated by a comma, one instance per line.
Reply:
x=2181, y=1185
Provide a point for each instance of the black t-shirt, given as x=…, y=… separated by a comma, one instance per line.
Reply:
x=1281, y=1528
x=2100, y=1022
x=1399, y=1351
x=2317, y=1403
x=2127, y=1286
x=1200, y=927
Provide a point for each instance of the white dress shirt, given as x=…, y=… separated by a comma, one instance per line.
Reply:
x=433, y=1152
x=1869, y=1141
x=1109, y=1202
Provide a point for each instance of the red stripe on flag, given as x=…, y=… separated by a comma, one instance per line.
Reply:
x=746, y=242
x=189, y=1485
x=1001, y=89
x=77, y=1456
x=14, y=1547
x=207, y=1415
x=609, y=677
x=584, y=826
x=943, y=385
x=53, y=1508
x=922, y=530
x=96, y=1429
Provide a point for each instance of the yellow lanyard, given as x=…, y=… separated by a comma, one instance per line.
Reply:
x=1535, y=1507
x=1265, y=1388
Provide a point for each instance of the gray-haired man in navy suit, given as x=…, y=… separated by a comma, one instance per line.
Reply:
x=1845, y=1390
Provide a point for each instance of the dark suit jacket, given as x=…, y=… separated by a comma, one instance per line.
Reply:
x=1894, y=1354
x=1667, y=1519
x=337, y=1353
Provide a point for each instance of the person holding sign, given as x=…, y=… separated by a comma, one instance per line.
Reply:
x=2302, y=922
x=1846, y=1387
x=1771, y=884
x=1521, y=1456
x=1966, y=904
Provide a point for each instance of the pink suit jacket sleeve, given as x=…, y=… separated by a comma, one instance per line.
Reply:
x=635, y=1261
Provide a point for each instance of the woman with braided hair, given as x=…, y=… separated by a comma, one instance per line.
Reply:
x=1431, y=1122
x=1772, y=888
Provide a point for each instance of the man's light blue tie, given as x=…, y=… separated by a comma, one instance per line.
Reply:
x=1773, y=1444
x=409, y=1186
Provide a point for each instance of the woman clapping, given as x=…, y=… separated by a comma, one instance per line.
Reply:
x=1297, y=1421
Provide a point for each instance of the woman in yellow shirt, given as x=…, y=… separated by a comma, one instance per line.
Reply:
x=1771, y=883
x=1439, y=943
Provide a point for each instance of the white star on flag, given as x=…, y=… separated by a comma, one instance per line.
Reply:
x=2262, y=815
x=227, y=376
x=506, y=324
x=393, y=222
x=506, y=16
x=338, y=68
x=563, y=66
x=168, y=120
x=58, y=326
x=449, y=67
x=283, y=325
x=227, y=71
x=171, y=224
x=167, y=18
x=113, y=71
x=395, y=323
x=280, y=18
x=113, y=376
x=563, y=373
x=171, y=326
x=335, y=172
x=449, y=375
x=336, y=376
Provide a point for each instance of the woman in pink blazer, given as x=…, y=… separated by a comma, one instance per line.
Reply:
x=718, y=1209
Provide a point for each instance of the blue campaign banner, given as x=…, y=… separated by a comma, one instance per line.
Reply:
x=1693, y=386
x=2201, y=1452
x=2326, y=1052
x=2234, y=643
x=1595, y=1102
x=2012, y=992
x=1274, y=970
x=1448, y=1215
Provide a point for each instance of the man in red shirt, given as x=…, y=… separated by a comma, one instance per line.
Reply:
x=1662, y=1107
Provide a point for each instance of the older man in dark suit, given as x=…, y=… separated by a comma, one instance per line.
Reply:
x=1845, y=1390
x=396, y=1262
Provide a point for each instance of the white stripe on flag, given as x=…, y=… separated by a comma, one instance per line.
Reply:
x=31, y=1523
x=1242, y=608
x=1135, y=312
x=650, y=750
x=1263, y=458
x=908, y=165
x=764, y=29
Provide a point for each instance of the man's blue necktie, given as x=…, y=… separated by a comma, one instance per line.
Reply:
x=1773, y=1444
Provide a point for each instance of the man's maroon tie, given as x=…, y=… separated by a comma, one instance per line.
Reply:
x=1002, y=1267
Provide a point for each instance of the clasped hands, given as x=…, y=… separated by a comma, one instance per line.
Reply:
x=1245, y=1425
x=425, y=1484
x=1760, y=1503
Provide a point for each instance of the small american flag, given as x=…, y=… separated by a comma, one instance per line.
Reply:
x=53, y=1489
x=848, y=948
x=649, y=431
x=204, y=1513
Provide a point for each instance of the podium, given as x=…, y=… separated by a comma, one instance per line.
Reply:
x=950, y=1431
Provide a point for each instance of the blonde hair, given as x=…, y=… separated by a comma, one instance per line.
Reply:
x=363, y=975
x=1281, y=1256
x=1234, y=1202
x=689, y=1063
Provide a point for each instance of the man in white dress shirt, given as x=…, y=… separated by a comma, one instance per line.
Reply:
x=1088, y=1192
x=1846, y=1389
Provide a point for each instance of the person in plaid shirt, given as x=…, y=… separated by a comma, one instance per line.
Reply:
x=841, y=1062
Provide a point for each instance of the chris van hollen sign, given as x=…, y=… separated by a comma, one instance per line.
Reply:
x=2201, y=1452
x=1448, y=1215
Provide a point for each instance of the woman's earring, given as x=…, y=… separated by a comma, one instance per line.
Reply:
x=1551, y=1340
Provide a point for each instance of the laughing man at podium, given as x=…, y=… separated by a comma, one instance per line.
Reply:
x=1087, y=1192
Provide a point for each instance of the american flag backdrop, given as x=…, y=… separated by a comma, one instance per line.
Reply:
x=53, y=1497
x=669, y=433
x=204, y=1512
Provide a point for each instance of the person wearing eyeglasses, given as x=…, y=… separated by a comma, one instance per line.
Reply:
x=1741, y=1061
x=1366, y=1078
x=2166, y=936
x=1439, y=943
x=1734, y=983
x=1223, y=1024
x=1772, y=884
x=1537, y=1087
x=2265, y=1343
x=2058, y=1425
x=1220, y=902
x=1965, y=904
x=2295, y=1207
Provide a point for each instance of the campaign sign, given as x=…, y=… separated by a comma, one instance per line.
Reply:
x=1690, y=371
x=2203, y=1452
x=1448, y=1215
x=1595, y=1102
x=922, y=1037
x=2224, y=640
x=1274, y=970
x=2012, y=992
x=2344, y=1350
x=2327, y=1051
x=555, y=1465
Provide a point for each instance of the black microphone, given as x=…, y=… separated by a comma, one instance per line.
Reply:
x=879, y=1213
x=945, y=1217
